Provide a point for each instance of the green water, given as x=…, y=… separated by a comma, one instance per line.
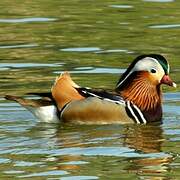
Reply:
x=95, y=41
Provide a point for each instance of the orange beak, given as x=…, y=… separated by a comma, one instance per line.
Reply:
x=167, y=80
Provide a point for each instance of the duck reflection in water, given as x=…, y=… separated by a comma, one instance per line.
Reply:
x=144, y=138
x=148, y=140
x=84, y=147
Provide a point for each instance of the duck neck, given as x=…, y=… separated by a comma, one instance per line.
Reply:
x=145, y=95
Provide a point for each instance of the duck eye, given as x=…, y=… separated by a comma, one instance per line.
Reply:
x=153, y=70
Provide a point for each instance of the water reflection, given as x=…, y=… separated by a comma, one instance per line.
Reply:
x=39, y=39
x=148, y=139
x=140, y=145
x=70, y=150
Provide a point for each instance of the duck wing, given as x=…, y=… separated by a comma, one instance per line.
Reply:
x=101, y=94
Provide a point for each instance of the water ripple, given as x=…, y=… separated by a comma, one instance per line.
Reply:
x=4, y=160
x=93, y=151
x=121, y=6
x=96, y=50
x=75, y=163
x=93, y=70
x=18, y=46
x=26, y=20
x=172, y=97
x=25, y=163
x=171, y=110
x=114, y=51
x=5, y=66
x=165, y=26
x=13, y=172
x=47, y=173
x=81, y=49
x=79, y=178
x=159, y=1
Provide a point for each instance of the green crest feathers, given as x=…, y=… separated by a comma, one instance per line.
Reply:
x=161, y=61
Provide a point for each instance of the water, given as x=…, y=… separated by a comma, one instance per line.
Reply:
x=95, y=41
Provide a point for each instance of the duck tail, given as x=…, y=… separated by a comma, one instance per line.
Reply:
x=64, y=90
x=12, y=98
x=18, y=99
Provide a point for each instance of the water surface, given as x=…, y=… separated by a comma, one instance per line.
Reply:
x=95, y=41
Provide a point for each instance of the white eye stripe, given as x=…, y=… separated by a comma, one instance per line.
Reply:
x=168, y=69
x=146, y=64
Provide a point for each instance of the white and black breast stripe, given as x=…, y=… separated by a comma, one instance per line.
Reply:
x=135, y=113
x=63, y=109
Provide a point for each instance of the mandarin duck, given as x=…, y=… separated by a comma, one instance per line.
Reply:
x=137, y=97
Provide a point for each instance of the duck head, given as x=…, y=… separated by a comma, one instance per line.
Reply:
x=153, y=65
x=141, y=82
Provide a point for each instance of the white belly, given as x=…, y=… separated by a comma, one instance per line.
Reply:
x=45, y=113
